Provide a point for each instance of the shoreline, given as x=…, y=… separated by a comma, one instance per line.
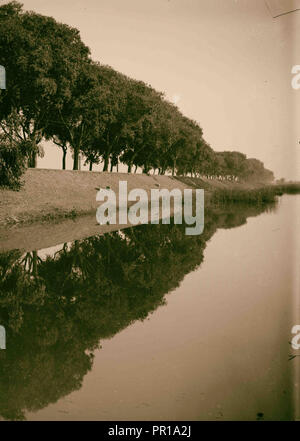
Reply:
x=54, y=196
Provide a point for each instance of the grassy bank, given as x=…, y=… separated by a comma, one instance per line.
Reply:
x=258, y=196
x=53, y=195
x=241, y=192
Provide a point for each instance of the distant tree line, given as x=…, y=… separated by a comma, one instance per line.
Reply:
x=55, y=91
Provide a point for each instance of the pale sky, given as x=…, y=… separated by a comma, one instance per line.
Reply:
x=225, y=63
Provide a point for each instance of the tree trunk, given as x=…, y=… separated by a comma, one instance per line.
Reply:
x=34, y=263
x=64, y=159
x=146, y=169
x=91, y=166
x=129, y=168
x=174, y=167
x=32, y=160
x=106, y=162
x=76, y=158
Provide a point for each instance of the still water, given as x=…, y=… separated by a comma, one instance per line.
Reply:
x=150, y=324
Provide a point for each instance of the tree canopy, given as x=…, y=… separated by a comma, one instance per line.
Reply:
x=55, y=91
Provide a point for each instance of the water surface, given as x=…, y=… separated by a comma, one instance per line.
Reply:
x=150, y=324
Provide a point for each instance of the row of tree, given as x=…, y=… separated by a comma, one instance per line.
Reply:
x=56, y=92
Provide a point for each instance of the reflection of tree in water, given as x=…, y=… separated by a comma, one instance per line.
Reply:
x=56, y=310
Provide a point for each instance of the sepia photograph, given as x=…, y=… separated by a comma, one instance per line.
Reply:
x=150, y=214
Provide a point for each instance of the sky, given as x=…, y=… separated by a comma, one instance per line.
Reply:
x=225, y=63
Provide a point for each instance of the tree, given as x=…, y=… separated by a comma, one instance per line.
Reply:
x=255, y=171
x=55, y=91
x=43, y=60
x=12, y=163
